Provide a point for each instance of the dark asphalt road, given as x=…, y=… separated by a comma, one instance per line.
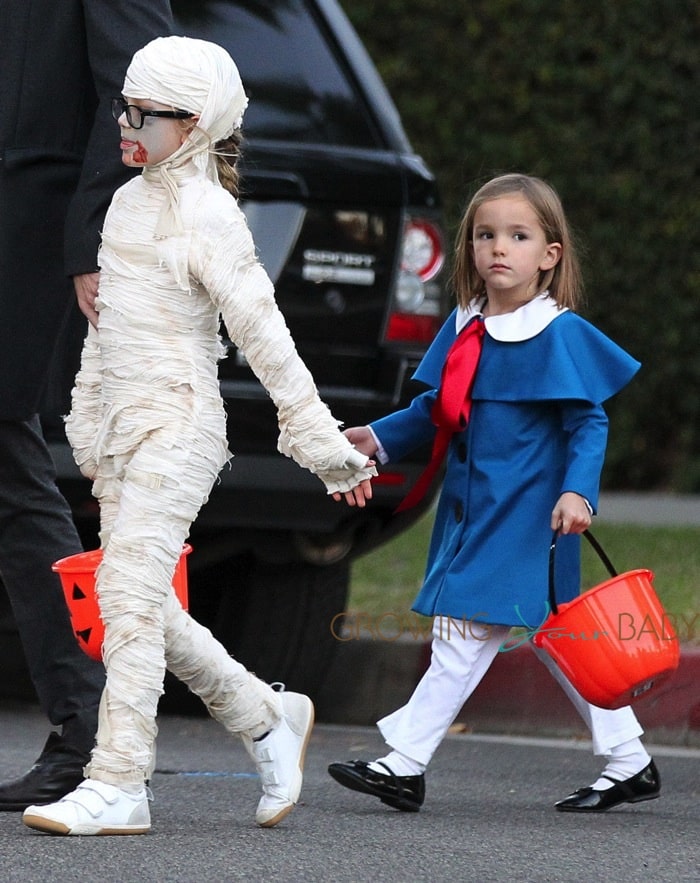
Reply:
x=488, y=817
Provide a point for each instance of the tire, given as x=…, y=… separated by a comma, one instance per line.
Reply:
x=280, y=627
x=274, y=618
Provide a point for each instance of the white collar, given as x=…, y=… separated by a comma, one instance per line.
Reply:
x=522, y=324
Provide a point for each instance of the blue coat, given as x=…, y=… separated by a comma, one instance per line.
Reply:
x=536, y=429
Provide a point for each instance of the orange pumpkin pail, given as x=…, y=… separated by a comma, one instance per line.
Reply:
x=77, y=573
x=615, y=642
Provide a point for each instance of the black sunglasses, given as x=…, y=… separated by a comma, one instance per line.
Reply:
x=135, y=115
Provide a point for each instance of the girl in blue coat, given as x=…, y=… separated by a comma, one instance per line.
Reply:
x=516, y=382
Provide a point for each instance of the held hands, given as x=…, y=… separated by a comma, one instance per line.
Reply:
x=571, y=514
x=364, y=442
x=363, y=439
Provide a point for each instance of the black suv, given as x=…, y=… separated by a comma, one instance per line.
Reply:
x=347, y=223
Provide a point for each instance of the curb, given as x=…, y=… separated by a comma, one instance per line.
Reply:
x=518, y=696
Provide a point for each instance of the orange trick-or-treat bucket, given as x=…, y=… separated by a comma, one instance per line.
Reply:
x=615, y=642
x=77, y=573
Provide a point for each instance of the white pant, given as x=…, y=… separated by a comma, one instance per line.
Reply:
x=460, y=658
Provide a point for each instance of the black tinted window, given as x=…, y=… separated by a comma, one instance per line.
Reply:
x=297, y=86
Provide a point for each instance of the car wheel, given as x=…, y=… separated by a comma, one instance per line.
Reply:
x=281, y=629
x=274, y=618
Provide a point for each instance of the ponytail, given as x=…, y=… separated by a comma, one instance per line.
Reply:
x=228, y=152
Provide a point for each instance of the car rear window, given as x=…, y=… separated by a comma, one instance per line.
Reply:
x=298, y=85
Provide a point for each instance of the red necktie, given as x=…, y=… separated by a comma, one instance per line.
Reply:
x=451, y=410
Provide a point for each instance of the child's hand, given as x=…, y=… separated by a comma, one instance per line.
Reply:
x=571, y=514
x=359, y=495
x=363, y=441
x=362, y=438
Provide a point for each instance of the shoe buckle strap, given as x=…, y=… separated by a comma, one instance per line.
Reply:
x=623, y=786
x=266, y=766
x=395, y=780
x=268, y=777
x=87, y=803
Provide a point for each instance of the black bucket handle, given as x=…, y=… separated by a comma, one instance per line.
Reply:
x=599, y=550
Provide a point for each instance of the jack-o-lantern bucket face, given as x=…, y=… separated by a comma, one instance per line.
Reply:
x=77, y=573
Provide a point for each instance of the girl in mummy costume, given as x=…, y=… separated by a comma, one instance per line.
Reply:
x=148, y=426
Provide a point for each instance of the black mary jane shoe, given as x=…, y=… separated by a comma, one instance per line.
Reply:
x=406, y=793
x=646, y=785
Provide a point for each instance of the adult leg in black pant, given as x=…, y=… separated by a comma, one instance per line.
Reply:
x=36, y=529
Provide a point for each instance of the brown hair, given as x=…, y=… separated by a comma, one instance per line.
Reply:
x=563, y=281
x=227, y=153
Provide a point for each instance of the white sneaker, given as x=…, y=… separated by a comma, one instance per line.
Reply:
x=279, y=759
x=93, y=808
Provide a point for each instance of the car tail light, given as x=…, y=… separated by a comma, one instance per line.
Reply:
x=423, y=252
x=415, y=315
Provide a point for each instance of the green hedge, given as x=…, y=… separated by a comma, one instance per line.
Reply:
x=601, y=99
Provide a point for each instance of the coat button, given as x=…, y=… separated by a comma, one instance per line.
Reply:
x=459, y=512
x=461, y=452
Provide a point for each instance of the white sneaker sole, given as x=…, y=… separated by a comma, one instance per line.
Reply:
x=51, y=826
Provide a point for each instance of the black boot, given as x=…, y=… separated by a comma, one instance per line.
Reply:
x=57, y=771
